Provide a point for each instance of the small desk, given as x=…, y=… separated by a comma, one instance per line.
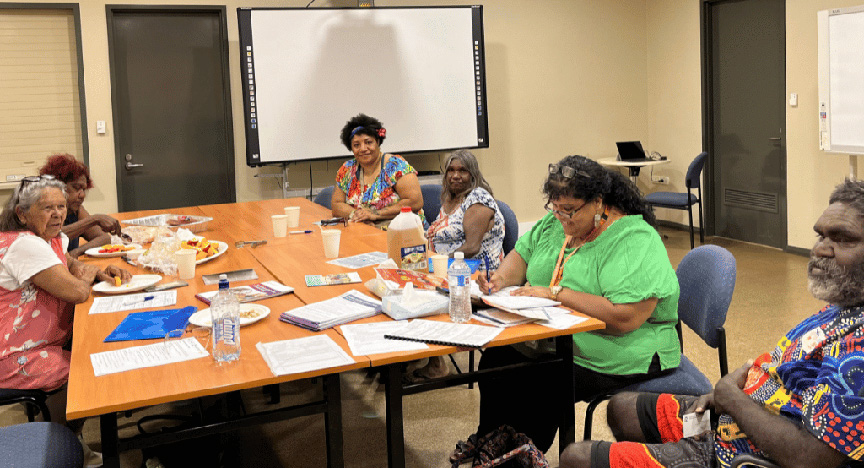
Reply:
x=633, y=166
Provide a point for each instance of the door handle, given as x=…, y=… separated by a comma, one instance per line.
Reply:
x=775, y=139
x=130, y=166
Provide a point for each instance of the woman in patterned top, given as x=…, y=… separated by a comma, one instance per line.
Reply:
x=373, y=187
x=470, y=220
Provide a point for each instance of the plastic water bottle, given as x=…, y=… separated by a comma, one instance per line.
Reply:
x=459, y=279
x=225, y=312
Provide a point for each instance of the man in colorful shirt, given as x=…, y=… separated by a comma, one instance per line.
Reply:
x=802, y=405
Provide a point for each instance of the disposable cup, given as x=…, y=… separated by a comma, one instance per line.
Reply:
x=439, y=265
x=280, y=225
x=293, y=214
x=331, y=242
x=186, y=263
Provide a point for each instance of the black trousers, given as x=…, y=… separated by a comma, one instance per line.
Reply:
x=529, y=399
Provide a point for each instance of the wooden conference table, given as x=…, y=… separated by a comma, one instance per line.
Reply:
x=286, y=260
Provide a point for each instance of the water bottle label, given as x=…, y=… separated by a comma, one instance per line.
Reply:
x=228, y=332
x=462, y=280
x=413, y=258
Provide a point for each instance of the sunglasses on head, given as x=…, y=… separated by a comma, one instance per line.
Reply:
x=566, y=171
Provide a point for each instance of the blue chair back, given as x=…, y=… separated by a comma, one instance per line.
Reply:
x=694, y=172
x=511, y=227
x=706, y=276
x=431, y=201
x=325, y=197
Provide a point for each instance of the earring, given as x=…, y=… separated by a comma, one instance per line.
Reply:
x=596, y=220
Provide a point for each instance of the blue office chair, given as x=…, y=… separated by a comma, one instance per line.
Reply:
x=706, y=276
x=40, y=445
x=685, y=201
x=324, y=197
x=33, y=401
x=431, y=201
x=511, y=227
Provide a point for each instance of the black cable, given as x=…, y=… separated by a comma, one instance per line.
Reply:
x=310, y=2
x=310, y=170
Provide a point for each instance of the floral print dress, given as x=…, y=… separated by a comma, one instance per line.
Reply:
x=382, y=192
x=34, y=327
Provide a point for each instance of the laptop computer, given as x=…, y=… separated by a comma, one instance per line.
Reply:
x=631, y=151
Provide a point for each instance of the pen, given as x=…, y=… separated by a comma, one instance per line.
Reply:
x=299, y=232
x=488, y=277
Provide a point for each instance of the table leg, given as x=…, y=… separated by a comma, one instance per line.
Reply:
x=333, y=421
x=110, y=440
x=567, y=428
x=395, y=431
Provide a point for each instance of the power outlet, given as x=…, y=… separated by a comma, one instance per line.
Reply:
x=660, y=179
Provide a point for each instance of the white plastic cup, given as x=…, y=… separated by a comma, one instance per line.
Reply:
x=280, y=225
x=331, y=242
x=439, y=265
x=293, y=214
x=186, y=263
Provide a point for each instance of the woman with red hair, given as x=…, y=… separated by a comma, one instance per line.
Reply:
x=96, y=229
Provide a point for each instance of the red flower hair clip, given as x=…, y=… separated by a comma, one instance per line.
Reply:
x=382, y=132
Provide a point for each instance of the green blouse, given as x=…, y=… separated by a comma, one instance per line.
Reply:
x=626, y=263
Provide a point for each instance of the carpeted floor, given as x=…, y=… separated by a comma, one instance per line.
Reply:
x=770, y=298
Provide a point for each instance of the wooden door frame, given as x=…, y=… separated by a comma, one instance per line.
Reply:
x=705, y=33
x=82, y=101
x=110, y=11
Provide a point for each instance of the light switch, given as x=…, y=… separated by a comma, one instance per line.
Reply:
x=100, y=127
x=793, y=99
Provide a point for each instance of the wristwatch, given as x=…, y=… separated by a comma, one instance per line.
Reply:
x=555, y=290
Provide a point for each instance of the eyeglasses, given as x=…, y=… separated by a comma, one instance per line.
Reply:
x=563, y=214
x=31, y=179
x=334, y=222
x=566, y=171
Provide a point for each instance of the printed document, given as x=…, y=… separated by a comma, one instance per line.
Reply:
x=446, y=333
x=103, y=305
x=137, y=357
x=303, y=355
x=368, y=338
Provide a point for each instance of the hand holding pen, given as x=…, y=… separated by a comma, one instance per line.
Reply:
x=488, y=288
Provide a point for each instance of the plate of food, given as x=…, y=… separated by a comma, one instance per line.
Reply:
x=137, y=283
x=207, y=249
x=249, y=313
x=111, y=250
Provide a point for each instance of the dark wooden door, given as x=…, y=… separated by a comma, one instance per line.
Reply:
x=172, y=106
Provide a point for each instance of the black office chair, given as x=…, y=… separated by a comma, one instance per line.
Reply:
x=707, y=279
x=324, y=197
x=431, y=201
x=33, y=401
x=511, y=227
x=686, y=200
x=40, y=445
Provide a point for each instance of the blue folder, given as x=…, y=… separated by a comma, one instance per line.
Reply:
x=152, y=324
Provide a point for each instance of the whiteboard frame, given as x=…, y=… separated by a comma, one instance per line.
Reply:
x=825, y=113
x=254, y=156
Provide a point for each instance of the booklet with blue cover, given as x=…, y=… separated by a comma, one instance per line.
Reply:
x=152, y=324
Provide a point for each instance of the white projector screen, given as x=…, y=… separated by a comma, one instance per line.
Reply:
x=306, y=71
x=841, y=80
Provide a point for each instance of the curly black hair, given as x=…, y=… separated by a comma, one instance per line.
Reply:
x=365, y=125
x=592, y=181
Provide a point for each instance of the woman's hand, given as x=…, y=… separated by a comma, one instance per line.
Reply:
x=494, y=284
x=84, y=271
x=107, y=223
x=113, y=271
x=533, y=291
x=363, y=215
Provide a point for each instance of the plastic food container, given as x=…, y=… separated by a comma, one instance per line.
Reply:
x=190, y=222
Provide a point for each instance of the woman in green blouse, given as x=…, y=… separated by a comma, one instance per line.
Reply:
x=597, y=252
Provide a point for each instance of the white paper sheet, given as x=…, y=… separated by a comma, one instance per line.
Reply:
x=103, y=305
x=368, y=338
x=137, y=357
x=360, y=260
x=453, y=334
x=303, y=355
x=560, y=318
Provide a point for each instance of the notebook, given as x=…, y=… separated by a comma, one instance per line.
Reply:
x=631, y=151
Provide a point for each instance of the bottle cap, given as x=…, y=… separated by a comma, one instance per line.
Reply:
x=406, y=209
x=458, y=255
x=223, y=276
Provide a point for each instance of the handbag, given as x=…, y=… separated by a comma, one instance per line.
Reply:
x=501, y=448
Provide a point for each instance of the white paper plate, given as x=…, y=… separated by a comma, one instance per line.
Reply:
x=94, y=252
x=202, y=317
x=137, y=283
x=222, y=248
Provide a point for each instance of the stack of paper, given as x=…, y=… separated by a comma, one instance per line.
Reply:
x=303, y=355
x=351, y=306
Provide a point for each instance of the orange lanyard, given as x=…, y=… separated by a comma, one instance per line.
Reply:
x=558, y=272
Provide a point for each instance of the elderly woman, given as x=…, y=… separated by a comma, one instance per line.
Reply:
x=470, y=220
x=96, y=229
x=597, y=252
x=373, y=187
x=39, y=284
